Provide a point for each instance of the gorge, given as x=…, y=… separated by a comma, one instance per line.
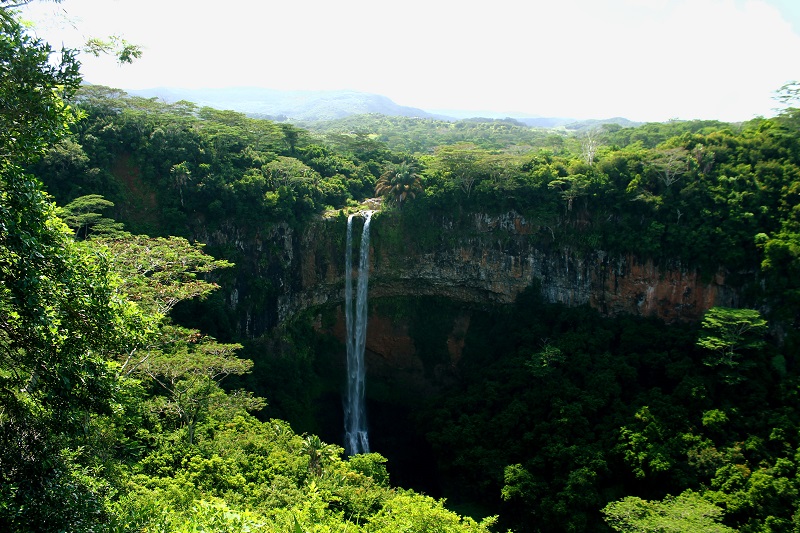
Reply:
x=446, y=273
x=547, y=334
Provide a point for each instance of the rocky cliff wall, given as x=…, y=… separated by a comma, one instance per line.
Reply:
x=491, y=259
x=478, y=258
x=415, y=343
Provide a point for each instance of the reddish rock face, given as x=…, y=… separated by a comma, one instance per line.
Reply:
x=479, y=259
x=492, y=259
x=673, y=294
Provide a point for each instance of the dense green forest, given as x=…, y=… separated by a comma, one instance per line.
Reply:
x=131, y=401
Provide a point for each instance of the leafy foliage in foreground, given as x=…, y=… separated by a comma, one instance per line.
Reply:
x=60, y=317
x=261, y=474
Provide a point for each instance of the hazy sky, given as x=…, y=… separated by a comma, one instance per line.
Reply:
x=641, y=59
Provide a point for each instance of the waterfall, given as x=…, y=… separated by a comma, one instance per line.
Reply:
x=355, y=419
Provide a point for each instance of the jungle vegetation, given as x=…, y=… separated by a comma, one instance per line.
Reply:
x=117, y=416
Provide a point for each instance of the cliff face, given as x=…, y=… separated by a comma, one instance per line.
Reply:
x=491, y=259
x=443, y=269
x=477, y=259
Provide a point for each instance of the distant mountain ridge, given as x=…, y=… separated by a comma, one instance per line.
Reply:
x=295, y=106
x=317, y=106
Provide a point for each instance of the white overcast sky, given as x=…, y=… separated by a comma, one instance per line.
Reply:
x=640, y=59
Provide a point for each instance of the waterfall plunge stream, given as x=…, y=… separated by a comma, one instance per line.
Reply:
x=355, y=418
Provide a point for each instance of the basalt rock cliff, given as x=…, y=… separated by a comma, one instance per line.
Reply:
x=449, y=266
x=473, y=261
x=478, y=259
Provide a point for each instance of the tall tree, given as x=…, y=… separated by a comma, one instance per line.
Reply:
x=159, y=272
x=590, y=144
x=186, y=366
x=458, y=164
x=61, y=319
x=728, y=334
x=189, y=370
x=83, y=215
x=670, y=164
x=399, y=182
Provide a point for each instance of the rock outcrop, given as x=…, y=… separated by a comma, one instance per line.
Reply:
x=479, y=259
x=491, y=259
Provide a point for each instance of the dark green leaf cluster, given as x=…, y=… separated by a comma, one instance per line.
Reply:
x=35, y=87
x=560, y=412
x=169, y=167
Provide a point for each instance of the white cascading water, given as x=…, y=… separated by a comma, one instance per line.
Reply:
x=355, y=418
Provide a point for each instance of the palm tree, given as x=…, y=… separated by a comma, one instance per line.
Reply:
x=399, y=182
